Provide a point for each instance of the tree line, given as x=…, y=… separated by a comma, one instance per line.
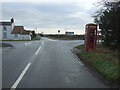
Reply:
x=108, y=19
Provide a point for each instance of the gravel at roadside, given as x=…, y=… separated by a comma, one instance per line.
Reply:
x=5, y=45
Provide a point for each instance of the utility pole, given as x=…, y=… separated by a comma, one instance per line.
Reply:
x=65, y=29
x=36, y=30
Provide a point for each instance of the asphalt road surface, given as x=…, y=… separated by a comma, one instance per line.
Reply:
x=45, y=63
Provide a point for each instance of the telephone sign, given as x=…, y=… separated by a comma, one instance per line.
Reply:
x=90, y=37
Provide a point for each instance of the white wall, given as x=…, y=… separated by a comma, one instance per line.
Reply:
x=8, y=31
x=0, y=32
x=24, y=37
x=21, y=37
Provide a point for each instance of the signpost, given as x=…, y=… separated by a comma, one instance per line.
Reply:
x=58, y=31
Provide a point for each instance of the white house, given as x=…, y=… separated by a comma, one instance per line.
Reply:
x=6, y=29
x=69, y=33
x=19, y=33
x=9, y=31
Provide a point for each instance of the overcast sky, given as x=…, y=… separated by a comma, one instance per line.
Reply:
x=49, y=16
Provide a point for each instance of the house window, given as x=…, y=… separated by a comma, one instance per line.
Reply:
x=4, y=28
x=4, y=35
x=15, y=35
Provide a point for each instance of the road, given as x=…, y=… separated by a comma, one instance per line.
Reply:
x=45, y=64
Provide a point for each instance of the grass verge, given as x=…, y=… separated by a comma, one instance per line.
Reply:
x=36, y=38
x=64, y=38
x=104, y=61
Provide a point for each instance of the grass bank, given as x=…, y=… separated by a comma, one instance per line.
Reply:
x=65, y=37
x=36, y=38
x=104, y=60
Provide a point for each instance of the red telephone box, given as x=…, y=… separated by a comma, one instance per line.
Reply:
x=90, y=37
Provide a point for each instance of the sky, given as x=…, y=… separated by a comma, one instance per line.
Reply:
x=49, y=16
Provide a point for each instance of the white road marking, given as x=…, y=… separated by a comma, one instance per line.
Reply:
x=25, y=43
x=39, y=48
x=28, y=43
x=20, y=77
x=79, y=61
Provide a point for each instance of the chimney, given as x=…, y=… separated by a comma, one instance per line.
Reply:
x=12, y=20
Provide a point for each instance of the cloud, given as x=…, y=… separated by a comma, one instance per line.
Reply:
x=57, y=1
x=50, y=15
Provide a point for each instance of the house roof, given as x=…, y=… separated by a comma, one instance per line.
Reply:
x=17, y=29
x=25, y=32
x=20, y=30
x=5, y=23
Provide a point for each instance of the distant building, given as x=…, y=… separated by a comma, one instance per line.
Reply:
x=9, y=31
x=69, y=33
